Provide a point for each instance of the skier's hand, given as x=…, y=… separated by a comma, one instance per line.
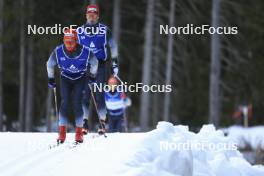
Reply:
x=101, y=129
x=127, y=102
x=52, y=83
x=115, y=70
x=85, y=129
x=91, y=81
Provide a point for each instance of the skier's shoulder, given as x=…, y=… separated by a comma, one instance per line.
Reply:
x=78, y=29
x=85, y=48
x=56, y=50
x=58, y=47
x=102, y=25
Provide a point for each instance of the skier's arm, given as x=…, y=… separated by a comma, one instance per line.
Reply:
x=92, y=67
x=51, y=63
x=114, y=51
x=126, y=99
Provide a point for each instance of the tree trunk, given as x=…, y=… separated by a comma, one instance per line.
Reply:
x=22, y=68
x=30, y=74
x=146, y=67
x=166, y=107
x=214, y=100
x=92, y=1
x=116, y=21
x=156, y=108
x=156, y=61
x=1, y=63
x=30, y=89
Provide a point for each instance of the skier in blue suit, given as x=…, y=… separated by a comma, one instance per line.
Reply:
x=98, y=38
x=73, y=62
x=116, y=102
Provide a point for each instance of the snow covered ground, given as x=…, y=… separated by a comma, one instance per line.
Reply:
x=252, y=137
x=166, y=151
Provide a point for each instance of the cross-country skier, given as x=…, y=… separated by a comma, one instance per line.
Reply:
x=116, y=101
x=98, y=38
x=72, y=60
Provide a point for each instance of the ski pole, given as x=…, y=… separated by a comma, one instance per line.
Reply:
x=117, y=77
x=125, y=117
x=56, y=105
x=95, y=105
x=125, y=122
x=55, y=98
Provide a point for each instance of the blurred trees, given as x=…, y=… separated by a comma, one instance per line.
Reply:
x=214, y=97
x=146, y=65
x=30, y=74
x=1, y=64
x=169, y=64
x=22, y=77
x=144, y=57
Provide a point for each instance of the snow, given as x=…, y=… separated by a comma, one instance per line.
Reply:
x=247, y=137
x=166, y=151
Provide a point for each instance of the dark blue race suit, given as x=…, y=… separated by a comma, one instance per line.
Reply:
x=99, y=39
x=73, y=68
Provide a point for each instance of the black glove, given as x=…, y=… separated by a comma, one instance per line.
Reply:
x=115, y=70
x=85, y=124
x=91, y=81
x=52, y=83
x=101, y=130
x=85, y=129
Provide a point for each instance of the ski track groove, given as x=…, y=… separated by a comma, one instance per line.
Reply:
x=24, y=162
x=54, y=158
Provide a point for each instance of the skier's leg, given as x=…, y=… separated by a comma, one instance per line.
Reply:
x=86, y=100
x=77, y=108
x=85, y=106
x=115, y=125
x=65, y=95
x=110, y=124
x=100, y=99
x=77, y=101
x=119, y=125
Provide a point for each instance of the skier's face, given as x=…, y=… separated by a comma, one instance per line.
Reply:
x=92, y=18
x=70, y=43
x=112, y=82
x=70, y=39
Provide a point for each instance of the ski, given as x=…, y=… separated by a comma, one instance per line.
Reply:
x=98, y=135
x=74, y=144
x=54, y=145
x=67, y=145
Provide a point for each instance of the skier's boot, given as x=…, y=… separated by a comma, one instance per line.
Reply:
x=78, y=135
x=85, y=128
x=101, y=130
x=62, y=134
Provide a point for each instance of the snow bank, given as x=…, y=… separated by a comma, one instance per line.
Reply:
x=207, y=153
x=247, y=137
x=166, y=151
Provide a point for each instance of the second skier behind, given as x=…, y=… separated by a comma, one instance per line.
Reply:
x=116, y=102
